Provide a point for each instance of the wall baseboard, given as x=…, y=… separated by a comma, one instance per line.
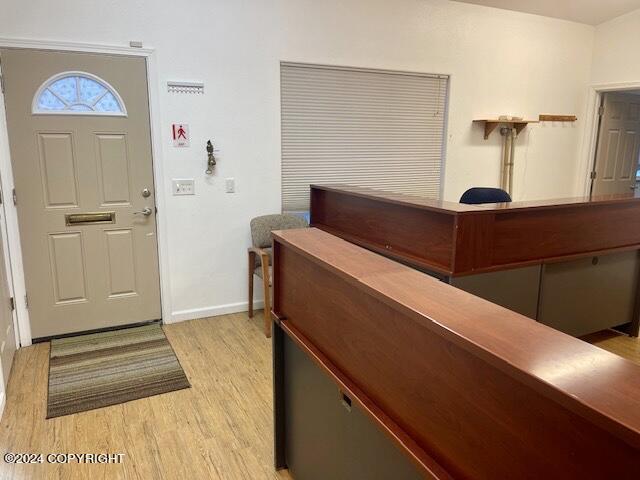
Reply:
x=194, y=313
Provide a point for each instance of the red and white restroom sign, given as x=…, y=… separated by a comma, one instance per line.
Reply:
x=180, y=134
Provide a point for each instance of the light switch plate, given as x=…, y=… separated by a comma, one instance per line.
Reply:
x=230, y=185
x=183, y=186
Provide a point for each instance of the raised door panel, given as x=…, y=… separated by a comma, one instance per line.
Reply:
x=629, y=152
x=68, y=267
x=633, y=112
x=617, y=109
x=613, y=141
x=121, y=263
x=113, y=169
x=58, y=170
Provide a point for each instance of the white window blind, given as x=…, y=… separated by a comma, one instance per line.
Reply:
x=370, y=128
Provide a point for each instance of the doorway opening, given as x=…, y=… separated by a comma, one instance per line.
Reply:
x=615, y=168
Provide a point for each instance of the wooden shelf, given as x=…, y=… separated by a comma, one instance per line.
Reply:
x=490, y=124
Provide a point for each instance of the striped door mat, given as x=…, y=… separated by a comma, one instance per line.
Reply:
x=101, y=369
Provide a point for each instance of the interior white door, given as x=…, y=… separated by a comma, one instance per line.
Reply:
x=618, y=145
x=81, y=153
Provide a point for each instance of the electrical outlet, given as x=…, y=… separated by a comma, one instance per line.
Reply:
x=230, y=184
x=183, y=186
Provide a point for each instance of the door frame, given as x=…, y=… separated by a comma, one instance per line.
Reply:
x=11, y=214
x=591, y=130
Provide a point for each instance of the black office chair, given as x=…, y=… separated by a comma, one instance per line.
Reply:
x=477, y=195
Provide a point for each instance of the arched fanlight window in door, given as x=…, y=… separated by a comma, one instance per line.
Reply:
x=77, y=93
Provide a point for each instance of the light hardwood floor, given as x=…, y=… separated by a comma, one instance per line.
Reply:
x=617, y=343
x=221, y=428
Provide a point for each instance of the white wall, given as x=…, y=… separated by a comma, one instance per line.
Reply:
x=615, y=56
x=615, y=66
x=500, y=62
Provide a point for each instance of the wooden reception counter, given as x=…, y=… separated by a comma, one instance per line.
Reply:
x=570, y=263
x=382, y=371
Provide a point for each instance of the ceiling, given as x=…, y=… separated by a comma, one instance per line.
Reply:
x=591, y=12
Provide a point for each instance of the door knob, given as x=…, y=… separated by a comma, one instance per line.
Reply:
x=146, y=211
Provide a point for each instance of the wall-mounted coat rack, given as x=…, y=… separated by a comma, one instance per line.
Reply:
x=556, y=118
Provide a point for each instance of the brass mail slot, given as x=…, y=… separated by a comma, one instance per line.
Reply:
x=90, y=218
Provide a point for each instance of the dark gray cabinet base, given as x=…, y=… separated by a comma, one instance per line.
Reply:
x=319, y=436
x=577, y=297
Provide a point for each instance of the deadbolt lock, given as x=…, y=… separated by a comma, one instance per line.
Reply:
x=146, y=192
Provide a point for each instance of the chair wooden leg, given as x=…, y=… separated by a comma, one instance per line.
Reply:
x=267, y=300
x=252, y=262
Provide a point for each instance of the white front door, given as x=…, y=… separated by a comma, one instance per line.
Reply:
x=81, y=153
x=618, y=144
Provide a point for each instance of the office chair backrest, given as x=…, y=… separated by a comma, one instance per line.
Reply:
x=477, y=195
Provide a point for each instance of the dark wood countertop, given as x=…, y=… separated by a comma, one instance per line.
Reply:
x=594, y=381
x=455, y=239
x=400, y=198
x=455, y=208
x=598, y=386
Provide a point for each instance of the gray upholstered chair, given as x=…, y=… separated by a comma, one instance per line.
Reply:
x=260, y=256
